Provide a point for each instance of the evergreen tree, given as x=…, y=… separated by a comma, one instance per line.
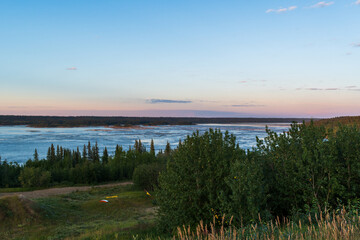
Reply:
x=48, y=155
x=167, y=149
x=140, y=147
x=179, y=146
x=152, y=147
x=77, y=156
x=95, y=153
x=105, y=156
x=58, y=157
x=118, y=151
x=52, y=154
x=84, y=153
x=36, y=155
x=90, y=153
x=61, y=152
x=136, y=145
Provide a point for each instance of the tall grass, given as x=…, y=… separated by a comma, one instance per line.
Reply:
x=341, y=225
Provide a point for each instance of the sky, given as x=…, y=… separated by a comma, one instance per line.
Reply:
x=192, y=58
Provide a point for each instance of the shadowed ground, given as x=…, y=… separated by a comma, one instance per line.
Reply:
x=59, y=191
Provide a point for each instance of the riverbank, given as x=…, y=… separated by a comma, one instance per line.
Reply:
x=92, y=121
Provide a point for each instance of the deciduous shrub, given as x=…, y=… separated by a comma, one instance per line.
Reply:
x=146, y=175
x=193, y=184
x=34, y=177
x=305, y=170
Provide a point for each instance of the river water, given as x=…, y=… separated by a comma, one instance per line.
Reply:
x=17, y=143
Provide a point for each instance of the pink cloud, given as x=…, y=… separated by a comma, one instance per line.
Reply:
x=322, y=4
x=71, y=68
x=281, y=10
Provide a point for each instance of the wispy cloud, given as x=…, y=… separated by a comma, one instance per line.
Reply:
x=347, y=88
x=357, y=2
x=71, y=68
x=247, y=105
x=17, y=107
x=33, y=107
x=155, y=101
x=322, y=4
x=356, y=44
x=251, y=81
x=281, y=10
x=318, y=89
x=314, y=89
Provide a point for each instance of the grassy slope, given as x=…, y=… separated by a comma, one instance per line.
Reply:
x=80, y=215
x=334, y=122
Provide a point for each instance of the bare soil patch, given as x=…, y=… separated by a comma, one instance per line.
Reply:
x=59, y=191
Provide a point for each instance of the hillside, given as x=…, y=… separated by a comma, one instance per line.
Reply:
x=334, y=122
x=78, y=215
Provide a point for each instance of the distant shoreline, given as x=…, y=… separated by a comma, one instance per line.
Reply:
x=129, y=122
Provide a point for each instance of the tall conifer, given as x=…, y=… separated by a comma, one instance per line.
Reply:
x=152, y=147
x=105, y=156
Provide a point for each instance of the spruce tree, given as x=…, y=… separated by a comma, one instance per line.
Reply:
x=152, y=148
x=77, y=156
x=118, y=151
x=95, y=152
x=84, y=153
x=58, y=157
x=105, y=156
x=140, y=147
x=136, y=145
x=61, y=152
x=52, y=153
x=36, y=155
x=90, y=153
x=167, y=149
x=48, y=156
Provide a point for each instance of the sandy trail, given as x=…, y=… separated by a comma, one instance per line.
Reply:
x=59, y=191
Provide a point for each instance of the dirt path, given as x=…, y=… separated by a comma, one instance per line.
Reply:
x=59, y=191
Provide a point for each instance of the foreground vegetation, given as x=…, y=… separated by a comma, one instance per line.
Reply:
x=307, y=169
x=131, y=215
x=343, y=225
x=301, y=184
x=79, y=215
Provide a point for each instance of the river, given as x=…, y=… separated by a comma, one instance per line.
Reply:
x=17, y=143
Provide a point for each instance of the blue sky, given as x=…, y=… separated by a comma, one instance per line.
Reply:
x=180, y=58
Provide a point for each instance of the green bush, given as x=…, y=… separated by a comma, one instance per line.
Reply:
x=309, y=166
x=249, y=190
x=146, y=175
x=302, y=171
x=192, y=187
x=34, y=177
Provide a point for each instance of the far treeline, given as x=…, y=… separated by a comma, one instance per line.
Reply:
x=334, y=122
x=85, y=166
x=52, y=121
x=305, y=170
